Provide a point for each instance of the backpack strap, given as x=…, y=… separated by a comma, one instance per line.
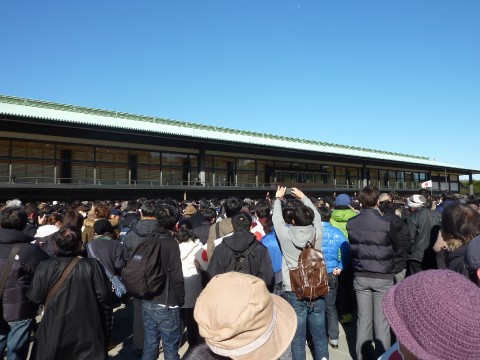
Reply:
x=13, y=253
x=60, y=281
x=300, y=248
x=90, y=249
x=217, y=230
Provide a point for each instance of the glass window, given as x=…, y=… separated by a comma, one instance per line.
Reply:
x=33, y=149
x=298, y=166
x=353, y=174
x=265, y=172
x=327, y=176
x=170, y=159
x=111, y=156
x=147, y=157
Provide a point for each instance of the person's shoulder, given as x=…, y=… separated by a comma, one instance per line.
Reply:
x=29, y=249
x=336, y=231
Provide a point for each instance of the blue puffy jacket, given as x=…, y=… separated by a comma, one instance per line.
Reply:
x=335, y=247
x=271, y=242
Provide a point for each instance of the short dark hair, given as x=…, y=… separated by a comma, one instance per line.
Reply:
x=241, y=222
x=167, y=216
x=73, y=219
x=132, y=205
x=67, y=240
x=209, y=214
x=13, y=218
x=287, y=213
x=262, y=208
x=232, y=205
x=325, y=213
x=448, y=195
x=369, y=195
x=148, y=208
x=302, y=215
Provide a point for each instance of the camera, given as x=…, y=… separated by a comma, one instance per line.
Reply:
x=288, y=192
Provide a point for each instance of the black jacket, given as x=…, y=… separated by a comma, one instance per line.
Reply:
x=403, y=240
x=260, y=260
x=172, y=265
x=109, y=252
x=373, y=243
x=139, y=232
x=72, y=324
x=202, y=231
x=423, y=226
x=128, y=220
x=453, y=260
x=16, y=305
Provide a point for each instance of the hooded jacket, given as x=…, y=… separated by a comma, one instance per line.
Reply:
x=259, y=257
x=340, y=217
x=294, y=238
x=15, y=304
x=139, y=232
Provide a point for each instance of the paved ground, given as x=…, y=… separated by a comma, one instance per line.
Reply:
x=122, y=336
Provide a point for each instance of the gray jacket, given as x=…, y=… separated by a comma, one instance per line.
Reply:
x=293, y=238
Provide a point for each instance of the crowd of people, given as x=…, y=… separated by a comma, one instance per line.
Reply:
x=407, y=264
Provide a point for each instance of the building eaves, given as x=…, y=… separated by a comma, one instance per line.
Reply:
x=43, y=110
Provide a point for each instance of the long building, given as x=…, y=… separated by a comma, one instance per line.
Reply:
x=50, y=150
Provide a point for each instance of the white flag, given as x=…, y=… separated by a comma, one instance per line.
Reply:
x=427, y=184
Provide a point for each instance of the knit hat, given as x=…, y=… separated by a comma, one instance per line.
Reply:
x=472, y=254
x=342, y=200
x=416, y=201
x=240, y=319
x=435, y=315
x=102, y=226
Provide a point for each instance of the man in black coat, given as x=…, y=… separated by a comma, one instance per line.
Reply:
x=18, y=311
x=140, y=230
x=423, y=226
x=161, y=312
x=242, y=242
x=373, y=243
x=389, y=211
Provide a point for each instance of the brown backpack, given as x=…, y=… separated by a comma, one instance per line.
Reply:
x=309, y=280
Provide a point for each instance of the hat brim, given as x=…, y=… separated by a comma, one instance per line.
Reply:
x=281, y=337
x=398, y=326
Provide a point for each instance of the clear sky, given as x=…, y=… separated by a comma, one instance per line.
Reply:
x=400, y=76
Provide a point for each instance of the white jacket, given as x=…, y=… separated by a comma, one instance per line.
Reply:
x=191, y=274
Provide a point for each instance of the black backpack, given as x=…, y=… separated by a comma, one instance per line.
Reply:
x=241, y=259
x=143, y=275
x=125, y=228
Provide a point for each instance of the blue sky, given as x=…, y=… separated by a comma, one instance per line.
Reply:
x=400, y=76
